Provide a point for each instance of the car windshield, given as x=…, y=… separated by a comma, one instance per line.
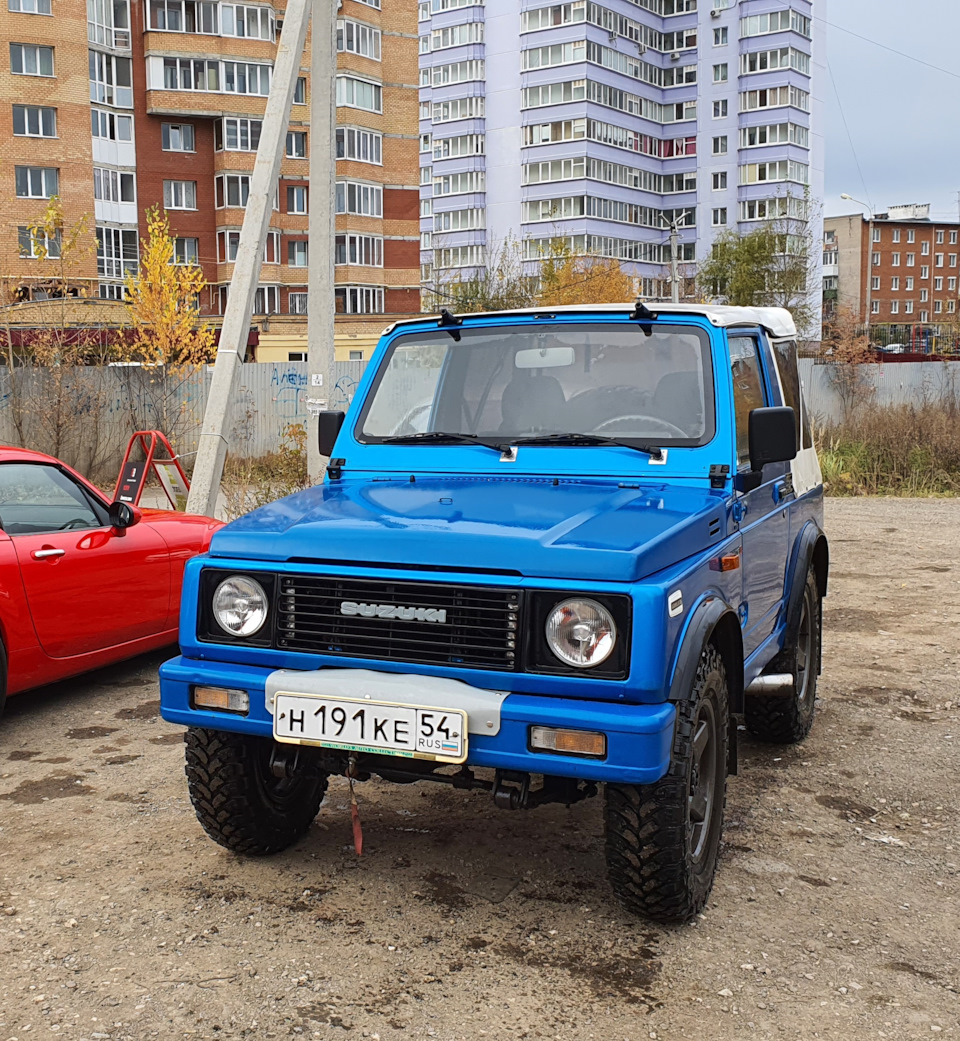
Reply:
x=514, y=383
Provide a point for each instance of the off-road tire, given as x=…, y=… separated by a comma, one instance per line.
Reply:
x=239, y=801
x=661, y=861
x=787, y=720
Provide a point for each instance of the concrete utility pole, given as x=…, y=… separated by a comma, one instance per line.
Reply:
x=208, y=470
x=321, y=301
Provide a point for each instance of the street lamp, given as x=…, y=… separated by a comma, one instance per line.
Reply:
x=859, y=202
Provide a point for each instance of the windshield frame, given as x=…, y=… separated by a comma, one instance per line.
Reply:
x=510, y=326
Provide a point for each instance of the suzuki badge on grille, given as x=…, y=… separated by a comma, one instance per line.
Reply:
x=405, y=614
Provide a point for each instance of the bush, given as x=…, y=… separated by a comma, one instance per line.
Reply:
x=251, y=483
x=902, y=450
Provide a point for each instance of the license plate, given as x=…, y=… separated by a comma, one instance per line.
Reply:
x=415, y=732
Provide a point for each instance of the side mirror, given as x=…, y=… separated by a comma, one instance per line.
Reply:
x=328, y=428
x=122, y=516
x=773, y=436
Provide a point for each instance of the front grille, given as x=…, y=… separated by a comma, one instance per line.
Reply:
x=479, y=627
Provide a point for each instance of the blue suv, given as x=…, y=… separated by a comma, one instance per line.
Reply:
x=555, y=552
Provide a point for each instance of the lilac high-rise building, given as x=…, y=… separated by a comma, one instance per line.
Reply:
x=603, y=123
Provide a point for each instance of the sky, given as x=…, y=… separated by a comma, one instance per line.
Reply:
x=892, y=124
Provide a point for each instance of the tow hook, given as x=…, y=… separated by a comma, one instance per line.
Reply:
x=508, y=796
x=284, y=762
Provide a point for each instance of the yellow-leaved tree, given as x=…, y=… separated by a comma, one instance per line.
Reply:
x=163, y=302
x=569, y=279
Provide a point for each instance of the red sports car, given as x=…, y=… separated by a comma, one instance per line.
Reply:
x=83, y=582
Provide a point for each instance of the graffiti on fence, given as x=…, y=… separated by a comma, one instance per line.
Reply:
x=343, y=391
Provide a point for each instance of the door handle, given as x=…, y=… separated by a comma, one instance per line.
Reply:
x=43, y=554
x=782, y=490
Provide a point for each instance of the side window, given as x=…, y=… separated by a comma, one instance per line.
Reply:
x=35, y=499
x=747, y=390
x=785, y=352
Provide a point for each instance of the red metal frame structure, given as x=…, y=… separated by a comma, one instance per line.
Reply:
x=133, y=473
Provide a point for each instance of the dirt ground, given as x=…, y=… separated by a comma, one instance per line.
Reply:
x=836, y=911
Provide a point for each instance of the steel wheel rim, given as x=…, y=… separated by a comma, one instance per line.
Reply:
x=804, y=653
x=702, y=793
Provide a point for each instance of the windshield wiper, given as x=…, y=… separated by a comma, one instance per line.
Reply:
x=589, y=439
x=441, y=437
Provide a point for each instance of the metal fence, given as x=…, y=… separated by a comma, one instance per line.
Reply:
x=85, y=416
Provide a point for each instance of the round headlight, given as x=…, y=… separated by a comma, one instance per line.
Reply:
x=581, y=633
x=240, y=605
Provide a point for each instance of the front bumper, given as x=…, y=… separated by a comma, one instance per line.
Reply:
x=639, y=737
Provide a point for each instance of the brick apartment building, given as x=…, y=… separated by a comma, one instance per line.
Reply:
x=896, y=271
x=118, y=105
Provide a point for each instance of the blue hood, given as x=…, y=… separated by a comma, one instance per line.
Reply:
x=572, y=530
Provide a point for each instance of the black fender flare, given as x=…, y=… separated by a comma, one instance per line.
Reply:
x=809, y=549
x=713, y=619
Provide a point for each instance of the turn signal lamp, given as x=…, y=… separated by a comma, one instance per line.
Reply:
x=221, y=699
x=569, y=742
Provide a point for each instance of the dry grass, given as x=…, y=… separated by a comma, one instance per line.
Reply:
x=251, y=483
x=911, y=450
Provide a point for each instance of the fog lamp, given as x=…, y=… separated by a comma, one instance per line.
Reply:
x=569, y=742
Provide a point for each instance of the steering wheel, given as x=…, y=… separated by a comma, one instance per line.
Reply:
x=77, y=522
x=665, y=425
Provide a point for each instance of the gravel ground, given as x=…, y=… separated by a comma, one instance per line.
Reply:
x=836, y=911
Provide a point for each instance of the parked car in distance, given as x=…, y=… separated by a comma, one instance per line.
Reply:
x=83, y=582
x=893, y=348
x=557, y=552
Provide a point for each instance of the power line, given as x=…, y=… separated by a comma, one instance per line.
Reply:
x=843, y=116
x=893, y=50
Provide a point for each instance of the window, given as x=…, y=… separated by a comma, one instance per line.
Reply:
x=177, y=137
x=876, y=234
x=720, y=73
x=365, y=146
x=34, y=121
x=953, y=260
x=875, y=282
x=231, y=189
x=747, y=390
x=266, y=300
x=908, y=283
x=911, y=260
x=924, y=316
x=911, y=235
x=951, y=285
x=253, y=22
x=110, y=126
x=426, y=207
x=359, y=38
x=924, y=271
x=184, y=16
x=29, y=6
x=357, y=93
x=720, y=181
x=939, y=238
x=720, y=109
x=297, y=253
x=112, y=185
x=425, y=140
x=356, y=356
x=720, y=145
x=116, y=252
x=937, y=306
x=186, y=251
x=355, y=197
x=908, y=307
x=300, y=91
x=33, y=247
x=365, y=250
x=180, y=195
x=271, y=248
x=719, y=217
x=875, y=307
x=875, y=259
x=111, y=79
x=896, y=234
x=27, y=59
x=785, y=356
x=938, y=260
x=951, y=306
x=720, y=37
x=953, y=238
x=359, y=299
x=894, y=306
x=426, y=174
x=924, y=249
x=36, y=182
x=895, y=284
x=44, y=499
x=297, y=144
x=236, y=135
x=296, y=198
x=227, y=243
x=426, y=240
x=781, y=58
x=297, y=304
x=245, y=78
x=895, y=260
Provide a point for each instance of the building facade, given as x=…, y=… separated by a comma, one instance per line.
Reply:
x=601, y=123
x=140, y=103
x=896, y=272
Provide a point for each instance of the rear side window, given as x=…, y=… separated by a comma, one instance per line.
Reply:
x=747, y=390
x=785, y=352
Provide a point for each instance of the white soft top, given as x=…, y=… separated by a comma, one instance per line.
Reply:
x=776, y=320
